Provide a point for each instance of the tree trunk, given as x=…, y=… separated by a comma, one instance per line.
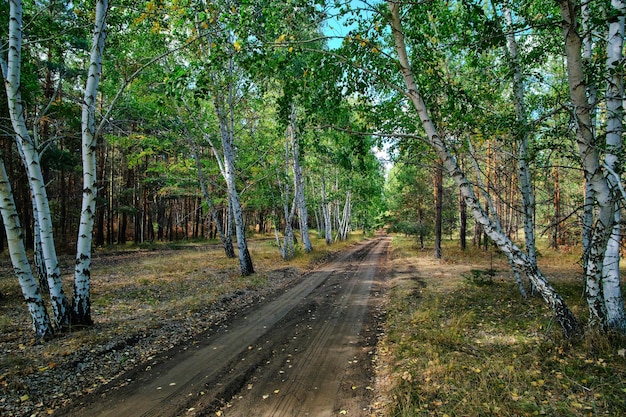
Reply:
x=11, y=71
x=17, y=251
x=592, y=94
x=227, y=135
x=525, y=177
x=557, y=210
x=299, y=184
x=564, y=316
x=226, y=240
x=611, y=288
x=328, y=227
x=463, y=222
x=82, y=272
x=438, y=208
x=594, y=174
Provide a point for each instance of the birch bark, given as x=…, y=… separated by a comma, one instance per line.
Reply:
x=226, y=240
x=566, y=319
x=594, y=174
x=299, y=184
x=328, y=227
x=227, y=134
x=81, y=309
x=15, y=241
x=11, y=72
x=611, y=288
x=528, y=197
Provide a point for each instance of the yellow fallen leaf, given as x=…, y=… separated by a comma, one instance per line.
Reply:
x=24, y=397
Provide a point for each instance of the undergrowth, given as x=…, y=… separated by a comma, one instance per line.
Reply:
x=465, y=350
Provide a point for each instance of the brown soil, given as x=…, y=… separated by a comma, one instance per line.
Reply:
x=306, y=351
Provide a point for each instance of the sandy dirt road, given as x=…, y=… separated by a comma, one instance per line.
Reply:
x=306, y=352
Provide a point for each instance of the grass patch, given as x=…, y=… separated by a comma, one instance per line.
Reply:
x=452, y=348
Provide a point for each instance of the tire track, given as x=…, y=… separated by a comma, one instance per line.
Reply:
x=316, y=320
x=312, y=369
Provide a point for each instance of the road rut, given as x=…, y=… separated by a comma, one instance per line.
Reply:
x=305, y=353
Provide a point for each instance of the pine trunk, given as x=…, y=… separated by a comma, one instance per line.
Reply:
x=463, y=222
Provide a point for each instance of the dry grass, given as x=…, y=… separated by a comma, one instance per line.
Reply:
x=456, y=349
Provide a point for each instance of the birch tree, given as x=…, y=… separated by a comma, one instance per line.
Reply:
x=82, y=270
x=30, y=289
x=525, y=177
x=25, y=142
x=602, y=287
x=568, y=322
x=298, y=180
x=612, y=292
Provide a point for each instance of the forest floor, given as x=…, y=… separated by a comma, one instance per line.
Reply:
x=157, y=304
x=179, y=332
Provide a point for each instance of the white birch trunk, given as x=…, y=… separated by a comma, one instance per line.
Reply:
x=525, y=177
x=594, y=174
x=299, y=184
x=328, y=227
x=38, y=257
x=227, y=135
x=11, y=69
x=611, y=288
x=563, y=314
x=40, y=266
x=344, y=219
x=227, y=242
x=287, y=250
x=81, y=308
x=30, y=290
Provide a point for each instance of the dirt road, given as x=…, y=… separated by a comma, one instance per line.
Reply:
x=306, y=352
